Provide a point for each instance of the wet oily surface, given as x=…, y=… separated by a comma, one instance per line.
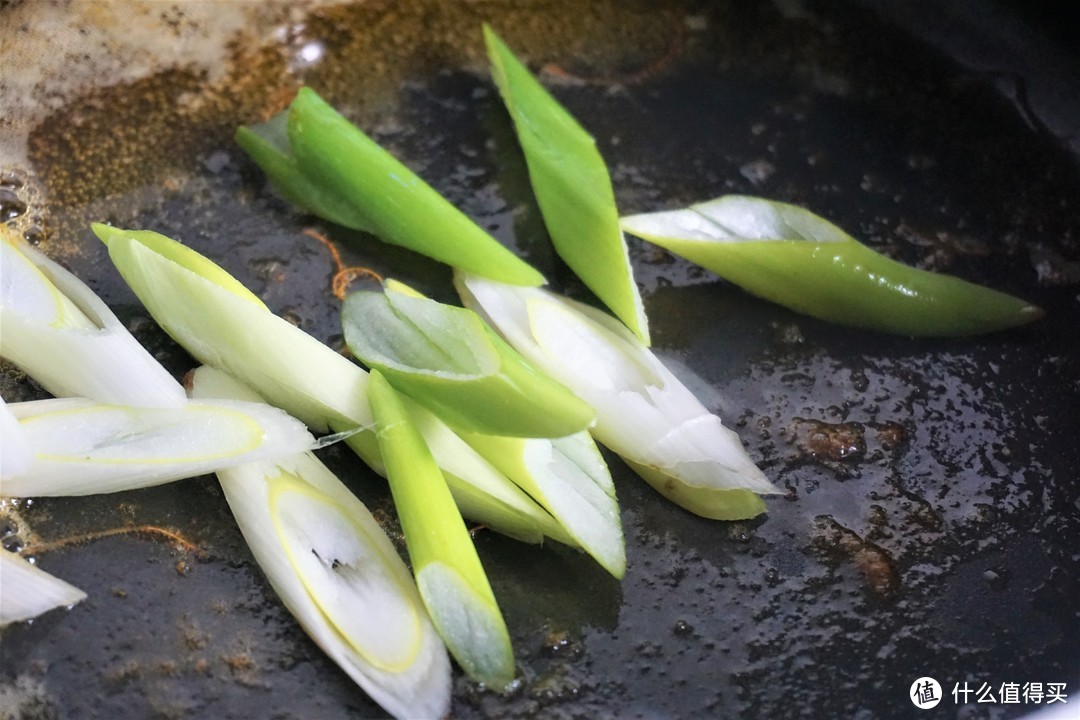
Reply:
x=931, y=515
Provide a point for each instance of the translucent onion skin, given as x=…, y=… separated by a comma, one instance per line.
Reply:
x=572, y=187
x=797, y=259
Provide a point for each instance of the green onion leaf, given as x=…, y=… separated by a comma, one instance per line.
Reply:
x=331, y=168
x=447, y=359
x=643, y=412
x=336, y=571
x=448, y=572
x=572, y=187
x=793, y=257
x=268, y=146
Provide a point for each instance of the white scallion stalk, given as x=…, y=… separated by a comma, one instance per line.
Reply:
x=570, y=479
x=643, y=412
x=337, y=572
x=80, y=447
x=60, y=333
x=27, y=591
x=15, y=455
x=225, y=326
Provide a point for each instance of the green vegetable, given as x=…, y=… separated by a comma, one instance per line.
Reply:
x=791, y=256
x=335, y=570
x=330, y=167
x=447, y=359
x=268, y=146
x=448, y=572
x=222, y=324
x=643, y=412
x=572, y=187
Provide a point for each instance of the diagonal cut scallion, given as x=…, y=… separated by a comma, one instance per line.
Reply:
x=80, y=447
x=336, y=571
x=572, y=187
x=330, y=167
x=644, y=413
x=797, y=259
x=224, y=325
x=447, y=359
x=448, y=572
x=60, y=333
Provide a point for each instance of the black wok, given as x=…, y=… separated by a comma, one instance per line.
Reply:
x=933, y=507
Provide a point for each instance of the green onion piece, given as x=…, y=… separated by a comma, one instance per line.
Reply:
x=16, y=456
x=643, y=412
x=793, y=257
x=568, y=476
x=572, y=187
x=225, y=326
x=60, y=333
x=447, y=359
x=28, y=591
x=336, y=571
x=80, y=447
x=332, y=167
x=448, y=572
x=268, y=146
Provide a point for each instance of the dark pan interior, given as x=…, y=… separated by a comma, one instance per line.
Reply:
x=932, y=515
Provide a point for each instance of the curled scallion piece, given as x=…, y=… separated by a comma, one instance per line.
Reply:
x=572, y=187
x=793, y=257
x=448, y=572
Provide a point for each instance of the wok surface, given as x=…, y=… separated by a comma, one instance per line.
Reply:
x=933, y=506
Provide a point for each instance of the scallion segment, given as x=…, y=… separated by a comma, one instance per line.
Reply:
x=644, y=413
x=336, y=571
x=448, y=572
x=27, y=591
x=572, y=187
x=54, y=327
x=793, y=257
x=330, y=167
x=80, y=447
x=447, y=359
